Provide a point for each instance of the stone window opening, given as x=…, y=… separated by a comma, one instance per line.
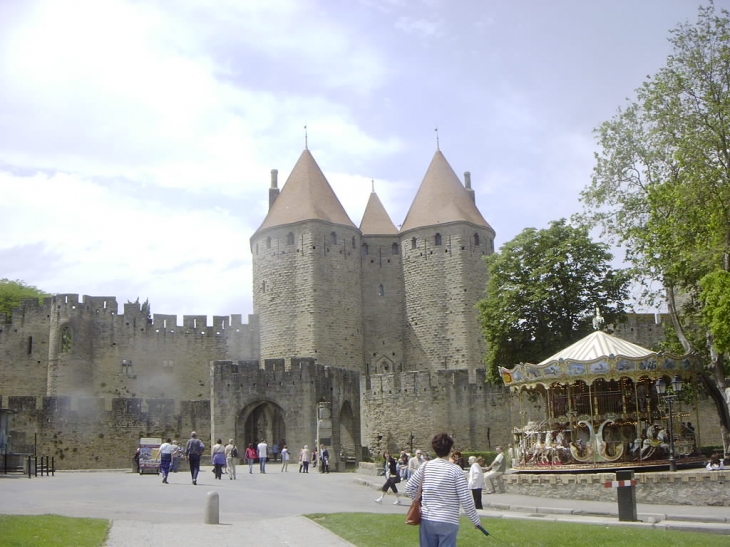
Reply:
x=354, y=243
x=437, y=239
x=365, y=249
x=268, y=243
x=394, y=249
x=333, y=238
x=127, y=369
x=381, y=290
x=290, y=238
x=30, y=345
x=414, y=243
x=263, y=286
x=476, y=240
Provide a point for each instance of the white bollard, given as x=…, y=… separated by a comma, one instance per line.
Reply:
x=211, y=508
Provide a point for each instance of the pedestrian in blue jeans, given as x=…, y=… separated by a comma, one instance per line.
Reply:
x=262, y=448
x=444, y=490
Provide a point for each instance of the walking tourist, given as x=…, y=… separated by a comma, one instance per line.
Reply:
x=444, y=490
x=284, y=459
x=166, y=452
x=304, y=455
x=194, y=449
x=476, y=481
x=393, y=478
x=231, y=456
x=263, y=454
x=251, y=455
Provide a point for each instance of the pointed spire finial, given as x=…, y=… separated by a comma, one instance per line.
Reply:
x=437, y=139
x=373, y=183
x=306, y=138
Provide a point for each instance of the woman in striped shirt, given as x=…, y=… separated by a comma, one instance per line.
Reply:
x=444, y=490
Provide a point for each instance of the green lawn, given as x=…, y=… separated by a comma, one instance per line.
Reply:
x=374, y=530
x=51, y=531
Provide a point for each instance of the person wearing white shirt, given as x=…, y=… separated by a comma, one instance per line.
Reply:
x=166, y=451
x=262, y=449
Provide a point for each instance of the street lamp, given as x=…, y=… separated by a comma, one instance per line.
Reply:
x=661, y=389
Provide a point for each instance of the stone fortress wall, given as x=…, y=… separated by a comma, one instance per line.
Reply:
x=381, y=324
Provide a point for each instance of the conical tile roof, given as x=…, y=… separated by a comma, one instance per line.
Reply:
x=441, y=198
x=306, y=195
x=598, y=345
x=375, y=219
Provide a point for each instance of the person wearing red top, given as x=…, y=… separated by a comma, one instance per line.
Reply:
x=250, y=456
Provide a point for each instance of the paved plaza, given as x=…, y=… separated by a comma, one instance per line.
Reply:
x=268, y=507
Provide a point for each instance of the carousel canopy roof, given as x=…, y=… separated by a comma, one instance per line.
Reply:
x=599, y=344
x=598, y=355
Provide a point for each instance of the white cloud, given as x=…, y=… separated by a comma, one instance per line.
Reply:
x=425, y=28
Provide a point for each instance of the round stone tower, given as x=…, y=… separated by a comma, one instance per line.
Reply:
x=306, y=273
x=444, y=240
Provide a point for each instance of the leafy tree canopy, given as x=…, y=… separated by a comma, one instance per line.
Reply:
x=661, y=188
x=544, y=287
x=12, y=292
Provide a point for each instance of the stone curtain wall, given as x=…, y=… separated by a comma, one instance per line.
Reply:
x=383, y=312
x=296, y=387
x=685, y=488
x=76, y=347
x=479, y=416
x=88, y=433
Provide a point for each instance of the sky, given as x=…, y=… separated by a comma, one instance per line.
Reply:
x=137, y=137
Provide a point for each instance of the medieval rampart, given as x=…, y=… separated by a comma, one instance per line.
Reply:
x=96, y=433
x=404, y=410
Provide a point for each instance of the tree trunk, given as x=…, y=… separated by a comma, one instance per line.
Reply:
x=713, y=379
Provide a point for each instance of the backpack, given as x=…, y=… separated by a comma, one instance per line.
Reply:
x=234, y=452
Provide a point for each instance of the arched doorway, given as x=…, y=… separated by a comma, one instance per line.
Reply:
x=348, y=445
x=261, y=420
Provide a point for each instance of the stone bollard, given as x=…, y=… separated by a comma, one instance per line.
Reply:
x=211, y=508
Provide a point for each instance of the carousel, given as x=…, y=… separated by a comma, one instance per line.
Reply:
x=604, y=403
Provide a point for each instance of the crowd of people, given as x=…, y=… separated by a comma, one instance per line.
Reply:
x=223, y=457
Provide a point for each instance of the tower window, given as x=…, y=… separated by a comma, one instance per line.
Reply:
x=437, y=239
x=268, y=243
x=414, y=243
x=354, y=243
x=127, y=369
x=365, y=249
x=333, y=238
x=381, y=291
x=476, y=240
x=290, y=238
x=394, y=249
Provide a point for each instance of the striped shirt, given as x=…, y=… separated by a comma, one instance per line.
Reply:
x=444, y=491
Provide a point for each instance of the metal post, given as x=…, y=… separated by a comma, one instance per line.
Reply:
x=672, y=462
x=626, y=497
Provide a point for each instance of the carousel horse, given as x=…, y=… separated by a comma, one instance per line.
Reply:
x=584, y=451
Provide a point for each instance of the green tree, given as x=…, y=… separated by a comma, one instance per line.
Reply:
x=661, y=188
x=544, y=287
x=12, y=292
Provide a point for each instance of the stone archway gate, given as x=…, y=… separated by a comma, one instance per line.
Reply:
x=295, y=391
